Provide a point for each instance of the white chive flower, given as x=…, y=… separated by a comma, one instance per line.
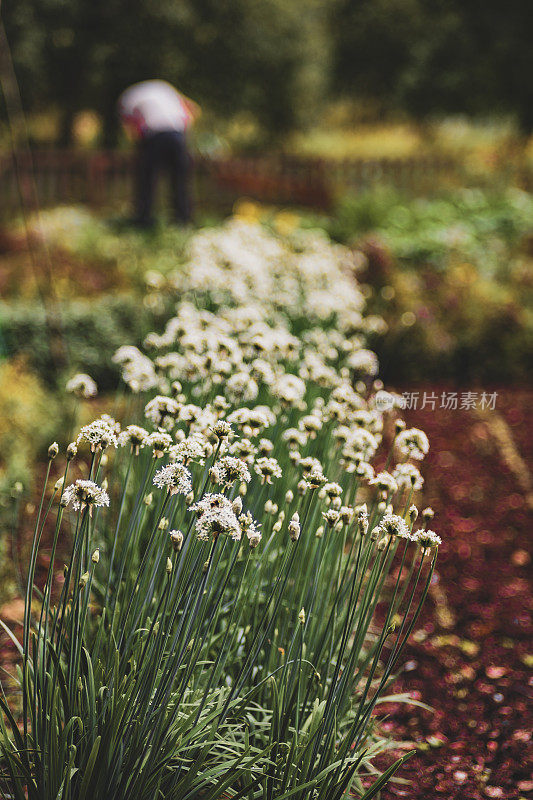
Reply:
x=82, y=493
x=407, y=476
x=175, y=477
x=160, y=442
x=99, y=433
x=215, y=517
x=413, y=443
x=135, y=436
x=230, y=469
x=394, y=525
x=82, y=385
x=426, y=538
x=268, y=468
x=161, y=409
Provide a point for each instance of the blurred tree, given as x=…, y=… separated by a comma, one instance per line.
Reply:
x=263, y=56
x=442, y=56
x=51, y=42
x=275, y=59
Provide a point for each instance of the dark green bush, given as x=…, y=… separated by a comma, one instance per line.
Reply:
x=85, y=336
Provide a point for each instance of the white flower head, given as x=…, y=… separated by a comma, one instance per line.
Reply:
x=84, y=493
x=160, y=441
x=413, y=443
x=315, y=478
x=230, y=469
x=175, y=477
x=191, y=448
x=394, y=525
x=268, y=468
x=385, y=482
x=250, y=529
x=82, y=385
x=294, y=527
x=100, y=433
x=216, y=517
x=222, y=429
x=427, y=538
x=407, y=476
x=161, y=410
x=364, y=361
x=241, y=388
x=135, y=436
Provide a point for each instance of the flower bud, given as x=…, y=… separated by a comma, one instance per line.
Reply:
x=164, y=524
x=237, y=506
x=331, y=516
x=413, y=514
x=176, y=538
x=301, y=617
x=289, y=496
x=294, y=527
x=53, y=450
x=168, y=566
x=302, y=487
x=428, y=514
x=148, y=499
x=72, y=449
x=83, y=580
x=59, y=484
x=95, y=558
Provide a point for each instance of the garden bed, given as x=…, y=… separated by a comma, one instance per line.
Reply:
x=470, y=659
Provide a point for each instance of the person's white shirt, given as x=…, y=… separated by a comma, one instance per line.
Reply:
x=154, y=106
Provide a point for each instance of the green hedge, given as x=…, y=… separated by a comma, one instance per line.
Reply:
x=87, y=333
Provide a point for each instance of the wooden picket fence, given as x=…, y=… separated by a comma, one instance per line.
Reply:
x=103, y=178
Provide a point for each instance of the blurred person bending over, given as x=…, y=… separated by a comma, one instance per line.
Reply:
x=157, y=116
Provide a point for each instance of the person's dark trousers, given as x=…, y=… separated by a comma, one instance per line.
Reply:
x=165, y=151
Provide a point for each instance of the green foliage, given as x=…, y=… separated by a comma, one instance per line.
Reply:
x=262, y=56
x=26, y=421
x=91, y=331
x=436, y=57
x=232, y=607
x=277, y=61
x=483, y=228
x=461, y=264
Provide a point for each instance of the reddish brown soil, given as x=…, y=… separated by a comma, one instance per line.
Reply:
x=469, y=660
x=22, y=276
